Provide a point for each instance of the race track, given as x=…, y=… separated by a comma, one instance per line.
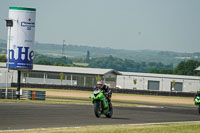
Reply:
x=35, y=115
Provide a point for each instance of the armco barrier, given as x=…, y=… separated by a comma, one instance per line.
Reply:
x=36, y=95
x=11, y=94
x=114, y=90
x=26, y=94
x=48, y=86
x=158, y=93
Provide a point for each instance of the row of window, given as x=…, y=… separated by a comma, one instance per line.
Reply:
x=82, y=80
x=155, y=85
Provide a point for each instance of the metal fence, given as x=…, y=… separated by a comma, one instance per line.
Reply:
x=10, y=94
x=36, y=95
x=26, y=94
x=114, y=90
x=155, y=92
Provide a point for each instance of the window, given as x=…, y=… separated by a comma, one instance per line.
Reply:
x=153, y=85
x=36, y=75
x=53, y=75
x=177, y=86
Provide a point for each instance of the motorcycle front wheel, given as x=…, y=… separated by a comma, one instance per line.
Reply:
x=97, y=109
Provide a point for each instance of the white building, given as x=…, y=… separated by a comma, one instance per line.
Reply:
x=86, y=77
x=59, y=75
x=161, y=82
x=197, y=69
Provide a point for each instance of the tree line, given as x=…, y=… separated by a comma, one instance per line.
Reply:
x=127, y=65
x=183, y=68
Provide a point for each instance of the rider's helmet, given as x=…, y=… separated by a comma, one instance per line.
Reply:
x=99, y=84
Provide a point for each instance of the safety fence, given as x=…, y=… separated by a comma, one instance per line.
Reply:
x=114, y=90
x=155, y=92
x=24, y=94
x=50, y=86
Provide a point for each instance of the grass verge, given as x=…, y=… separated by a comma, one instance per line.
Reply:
x=51, y=101
x=136, y=102
x=63, y=101
x=146, y=128
x=80, y=64
x=119, y=94
x=114, y=94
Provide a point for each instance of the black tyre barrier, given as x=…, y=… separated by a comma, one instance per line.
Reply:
x=26, y=94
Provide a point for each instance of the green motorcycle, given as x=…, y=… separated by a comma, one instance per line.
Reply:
x=197, y=102
x=101, y=104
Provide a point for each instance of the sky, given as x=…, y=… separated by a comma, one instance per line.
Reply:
x=167, y=25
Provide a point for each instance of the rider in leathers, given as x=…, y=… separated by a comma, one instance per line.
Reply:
x=106, y=90
x=198, y=94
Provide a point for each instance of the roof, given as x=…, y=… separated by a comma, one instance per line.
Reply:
x=74, y=70
x=159, y=75
x=197, y=69
x=77, y=70
x=99, y=71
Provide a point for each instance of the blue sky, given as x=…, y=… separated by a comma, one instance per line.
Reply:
x=172, y=25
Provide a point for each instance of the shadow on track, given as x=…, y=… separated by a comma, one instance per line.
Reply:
x=116, y=118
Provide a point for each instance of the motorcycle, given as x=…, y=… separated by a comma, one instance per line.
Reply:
x=197, y=102
x=101, y=104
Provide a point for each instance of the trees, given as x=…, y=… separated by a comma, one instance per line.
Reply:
x=46, y=60
x=161, y=71
x=2, y=58
x=126, y=64
x=187, y=68
x=43, y=62
x=183, y=68
x=87, y=60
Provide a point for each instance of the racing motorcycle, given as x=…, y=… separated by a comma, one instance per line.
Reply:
x=101, y=104
x=197, y=102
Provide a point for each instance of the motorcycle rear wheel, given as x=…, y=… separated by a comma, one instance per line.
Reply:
x=199, y=108
x=110, y=113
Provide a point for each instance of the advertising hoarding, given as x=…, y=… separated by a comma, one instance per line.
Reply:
x=20, y=43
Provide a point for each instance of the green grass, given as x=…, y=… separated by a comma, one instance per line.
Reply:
x=147, y=128
x=131, y=103
x=115, y=94
x=177, y=97
x=77, y=101
x=80, y=64
x=64, y=101
x=156, y=102
x=89, y=92
x=51, y=101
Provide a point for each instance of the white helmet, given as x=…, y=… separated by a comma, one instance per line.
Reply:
x=100, y=83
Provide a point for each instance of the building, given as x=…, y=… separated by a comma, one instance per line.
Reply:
x=60, y=75
x=197, y=69
x=159, y=82
x=87, y=77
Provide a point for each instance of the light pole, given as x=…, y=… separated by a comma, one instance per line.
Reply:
x=63, y=47
x=9, y=23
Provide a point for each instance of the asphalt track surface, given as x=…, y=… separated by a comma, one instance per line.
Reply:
x=37, y=115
